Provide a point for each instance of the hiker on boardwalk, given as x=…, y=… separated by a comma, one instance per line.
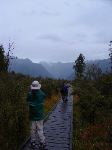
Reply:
x=35, y=100
x=70, y=89
x=64, y=92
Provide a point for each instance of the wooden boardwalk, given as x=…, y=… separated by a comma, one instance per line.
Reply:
x=58, y=127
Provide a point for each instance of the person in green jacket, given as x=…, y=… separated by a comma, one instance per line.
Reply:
x=35, y=100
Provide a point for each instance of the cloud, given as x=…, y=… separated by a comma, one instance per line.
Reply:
x=49, y=13
x=50, y=37
x=103, y=37
x=42, y=27
x=67, y=3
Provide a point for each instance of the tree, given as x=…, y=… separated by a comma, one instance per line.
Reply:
x=110, y=54
x=93, y=72
x=79, y=66
x=3, y=60
x=9, y=55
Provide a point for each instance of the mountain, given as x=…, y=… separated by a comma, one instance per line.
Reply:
x=59, y=69
x=27, y=67
x=104, y=64
x=65, y=70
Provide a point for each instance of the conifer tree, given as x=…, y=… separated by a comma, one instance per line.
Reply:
x=3, y=60
x=110, y=55
x=79, y=66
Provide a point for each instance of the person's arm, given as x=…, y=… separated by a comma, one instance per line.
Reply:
x=29, y=100
x=43, y=95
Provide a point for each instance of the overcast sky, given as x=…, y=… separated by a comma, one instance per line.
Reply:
x=56, y=30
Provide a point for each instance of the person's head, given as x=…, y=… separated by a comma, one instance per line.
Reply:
x=35, y=85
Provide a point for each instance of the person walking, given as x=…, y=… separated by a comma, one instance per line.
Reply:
x=64, y=92
x=70, y=90
x=35, y=100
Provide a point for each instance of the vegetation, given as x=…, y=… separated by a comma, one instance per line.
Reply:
x=3, y=60
x=79, y=66
x=110, y=54
x=93, y=111
x=93, y=72
x=92, y=105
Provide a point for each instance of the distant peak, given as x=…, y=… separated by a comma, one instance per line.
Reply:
x=27, y=59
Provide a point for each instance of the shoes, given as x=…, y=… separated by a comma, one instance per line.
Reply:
x=33, y=145
x=42, y=146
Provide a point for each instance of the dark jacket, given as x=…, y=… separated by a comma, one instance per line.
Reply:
x=64, y=90
x=36, y=105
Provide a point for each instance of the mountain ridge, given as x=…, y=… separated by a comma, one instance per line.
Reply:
x=27, y=67
x=57, y=70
